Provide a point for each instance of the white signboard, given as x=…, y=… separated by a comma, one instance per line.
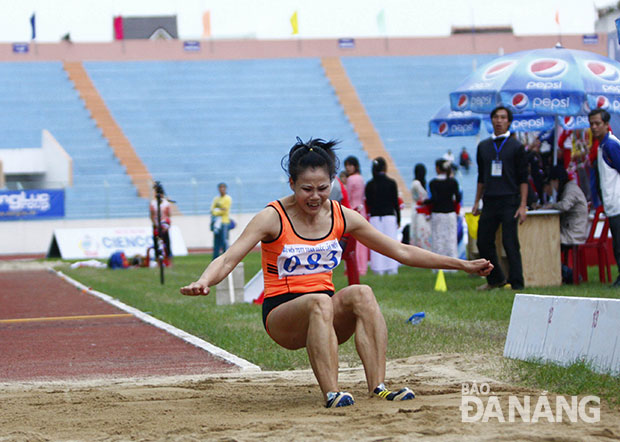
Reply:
x=565, y=329
x=100, y=243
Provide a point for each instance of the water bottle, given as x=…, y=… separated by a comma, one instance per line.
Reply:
x=416, y=318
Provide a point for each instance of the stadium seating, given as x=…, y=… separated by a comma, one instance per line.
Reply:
x=37, y=96
x=195, y=124
x=401, y=94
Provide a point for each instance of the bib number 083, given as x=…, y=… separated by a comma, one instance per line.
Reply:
x=311, y=261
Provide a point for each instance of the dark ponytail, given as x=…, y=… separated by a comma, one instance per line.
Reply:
x=313, y=153
x=379, y=166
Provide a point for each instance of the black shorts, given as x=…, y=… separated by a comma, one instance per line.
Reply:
x=274, y=301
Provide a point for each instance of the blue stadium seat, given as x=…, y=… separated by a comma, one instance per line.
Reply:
x=198, y=123
x=37, y=96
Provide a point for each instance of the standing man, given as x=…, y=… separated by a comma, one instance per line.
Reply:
x=163, y=221
x=503, y=188
x=608, y=159
x=220, y=220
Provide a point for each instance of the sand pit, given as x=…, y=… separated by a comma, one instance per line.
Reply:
x=278, y=406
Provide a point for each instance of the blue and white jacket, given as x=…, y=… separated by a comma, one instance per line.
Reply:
x=609, y=173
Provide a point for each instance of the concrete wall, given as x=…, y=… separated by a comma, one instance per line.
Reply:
x=34, y=237
x=244, y=49
x=58, y=163
x=45, y=167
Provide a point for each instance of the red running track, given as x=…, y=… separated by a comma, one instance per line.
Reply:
x=51, y=330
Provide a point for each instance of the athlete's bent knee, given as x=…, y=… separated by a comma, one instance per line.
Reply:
x=365, y=299
x=321, y=306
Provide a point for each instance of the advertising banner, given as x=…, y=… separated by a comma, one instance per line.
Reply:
x=31, y=204
x=21, y=48
x=100, y=243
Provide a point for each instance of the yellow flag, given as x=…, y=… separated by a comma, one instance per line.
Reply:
x=440, y=284
x=294, y=23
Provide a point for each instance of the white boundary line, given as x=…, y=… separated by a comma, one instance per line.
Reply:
x=194, y=340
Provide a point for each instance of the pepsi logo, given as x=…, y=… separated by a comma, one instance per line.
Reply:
x=497, y=69
x=528, y=124
x=519, y=101
x=569, y=121
x=603, y=70
x=552, y=104
x=443, y=128
x=602, y=102
x=463, y=101
x=548, y=68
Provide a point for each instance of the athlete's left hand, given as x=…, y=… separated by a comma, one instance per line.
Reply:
x=480, y=266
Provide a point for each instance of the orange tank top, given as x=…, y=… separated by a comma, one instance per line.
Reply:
x=293, y=264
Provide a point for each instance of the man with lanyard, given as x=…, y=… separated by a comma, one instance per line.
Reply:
x=503, y=188
x=608, y=161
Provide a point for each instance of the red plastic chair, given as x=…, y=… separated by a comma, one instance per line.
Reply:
x=599, y=244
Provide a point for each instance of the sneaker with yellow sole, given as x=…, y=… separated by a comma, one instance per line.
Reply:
x=404, y=394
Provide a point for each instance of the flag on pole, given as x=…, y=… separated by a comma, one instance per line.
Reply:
x=557, y=17
x=381, y=22
x=118, y=28
x=33, y=26
x=206, y=24
x=294, y=23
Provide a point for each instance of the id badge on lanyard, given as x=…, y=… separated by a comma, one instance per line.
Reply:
x=496, y=168
x=496, y=165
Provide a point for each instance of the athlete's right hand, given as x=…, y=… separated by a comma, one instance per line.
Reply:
x=195, y=289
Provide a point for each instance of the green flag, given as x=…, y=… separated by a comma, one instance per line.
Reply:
x=381, y=21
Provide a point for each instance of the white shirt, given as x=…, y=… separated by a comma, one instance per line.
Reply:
x=507, y=134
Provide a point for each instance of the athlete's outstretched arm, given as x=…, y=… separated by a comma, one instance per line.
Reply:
x=406, y=254
x=263, y=226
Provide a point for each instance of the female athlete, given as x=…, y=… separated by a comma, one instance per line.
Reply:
x=299, y=236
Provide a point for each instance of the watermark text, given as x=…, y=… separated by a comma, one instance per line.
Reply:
x=480, y=404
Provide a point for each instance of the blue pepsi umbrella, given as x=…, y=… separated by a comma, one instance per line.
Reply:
x=554, y=81
x=575, y=122
x=449, y=123
x=529, y=122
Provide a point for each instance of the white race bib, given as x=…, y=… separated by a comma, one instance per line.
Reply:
x=305, y=259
